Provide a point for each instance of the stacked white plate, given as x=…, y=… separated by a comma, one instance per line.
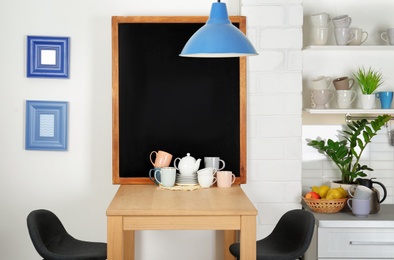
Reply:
x=186, y=179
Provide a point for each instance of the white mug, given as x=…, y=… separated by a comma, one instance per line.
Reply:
x=388, y=36
x=320, y=20
x=322, y=98
x=320, y=35
x=345, y=98
x=206, y=171
x=360, y=192
x=343, y=36
x=360, y=36
x=342, y=21
x=206, y=181
x=321, y=82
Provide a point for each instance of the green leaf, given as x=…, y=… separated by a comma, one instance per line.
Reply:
x=366, y=138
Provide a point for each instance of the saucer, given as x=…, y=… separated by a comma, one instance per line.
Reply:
x=186, y=180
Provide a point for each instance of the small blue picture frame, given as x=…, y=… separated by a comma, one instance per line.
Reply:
x=48, y=57
x=46, y=125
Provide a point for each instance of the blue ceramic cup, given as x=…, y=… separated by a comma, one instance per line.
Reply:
x=152, y=175
x=386, y=98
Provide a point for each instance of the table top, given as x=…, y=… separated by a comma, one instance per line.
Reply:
x=134, y=200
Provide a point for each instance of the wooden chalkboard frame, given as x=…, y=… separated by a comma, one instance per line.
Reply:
x=240, y=21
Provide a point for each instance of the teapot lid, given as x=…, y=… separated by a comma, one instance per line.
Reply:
x=188, y=158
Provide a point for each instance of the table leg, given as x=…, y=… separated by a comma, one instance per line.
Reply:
x=248, y=237
x=114, y=238
x=128, y=238
x=229, y=238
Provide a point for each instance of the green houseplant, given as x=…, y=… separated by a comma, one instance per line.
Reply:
x=368, y=80
x=346, y=153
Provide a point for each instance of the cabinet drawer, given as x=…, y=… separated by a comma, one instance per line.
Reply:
x=358, y=243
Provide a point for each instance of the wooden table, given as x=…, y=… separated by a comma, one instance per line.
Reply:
x=146, y=207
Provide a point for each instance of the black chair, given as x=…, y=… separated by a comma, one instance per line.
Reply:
x=289, y=240
x=52, y=241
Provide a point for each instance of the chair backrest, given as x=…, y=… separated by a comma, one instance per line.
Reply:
x=44, y=226
x=297, y=226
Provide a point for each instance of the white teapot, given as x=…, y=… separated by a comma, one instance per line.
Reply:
x=188, y=165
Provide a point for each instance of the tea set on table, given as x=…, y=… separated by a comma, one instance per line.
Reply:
x=344, y=34
x=185, y=172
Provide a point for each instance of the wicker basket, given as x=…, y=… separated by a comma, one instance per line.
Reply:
x=325, y=206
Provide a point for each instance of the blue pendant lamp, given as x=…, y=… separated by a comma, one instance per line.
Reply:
x=218, y=38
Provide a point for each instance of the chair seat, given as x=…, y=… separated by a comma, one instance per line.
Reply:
x=53, y=242
x=289, y=240
x=67, y=247
x=269, y=249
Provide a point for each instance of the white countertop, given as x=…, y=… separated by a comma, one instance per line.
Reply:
x=383, y=219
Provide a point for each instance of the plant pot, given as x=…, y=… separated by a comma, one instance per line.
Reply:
x=338, y=183
x=367, y=101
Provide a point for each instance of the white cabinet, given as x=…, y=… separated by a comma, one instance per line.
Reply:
x=344, y=236
x=336, y=61
x=368, y=243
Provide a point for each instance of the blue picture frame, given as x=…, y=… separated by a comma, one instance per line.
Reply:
x=46, y=125
x=48, y=57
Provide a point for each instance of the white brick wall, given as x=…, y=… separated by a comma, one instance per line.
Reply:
x=280, y=166
x=274, y=108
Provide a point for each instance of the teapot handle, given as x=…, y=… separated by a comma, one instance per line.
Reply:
x=180, y=159
x=384, y=190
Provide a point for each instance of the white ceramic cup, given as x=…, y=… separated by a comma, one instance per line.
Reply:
x=345, y=98
x=320, y=35
x=360, y=192
x=321, y=82
x=322, y=97
x=206, y=171
x=360, y=36
x=206, y=181
x=167, y=176
x=388, y=36
x=343, y=36
x=225, y=179
x=342, y=21
x=320, y=20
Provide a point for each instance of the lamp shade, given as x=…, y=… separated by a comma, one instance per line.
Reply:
x=218, y=38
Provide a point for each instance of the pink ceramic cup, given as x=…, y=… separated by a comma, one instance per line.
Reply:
x=225, y=179
x=163, y=159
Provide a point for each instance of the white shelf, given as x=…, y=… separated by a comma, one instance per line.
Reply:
x=349, y=48
x=333, y=111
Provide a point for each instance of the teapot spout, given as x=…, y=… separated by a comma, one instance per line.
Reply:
x=197, y=164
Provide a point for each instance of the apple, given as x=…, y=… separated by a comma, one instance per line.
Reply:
x=312, y=195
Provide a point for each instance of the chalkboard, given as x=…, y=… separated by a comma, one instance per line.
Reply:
x=162, y=101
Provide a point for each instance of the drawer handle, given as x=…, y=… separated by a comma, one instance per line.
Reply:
x=381, y=243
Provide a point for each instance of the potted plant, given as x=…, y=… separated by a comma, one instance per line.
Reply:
x=346, y=153
x=368, y=81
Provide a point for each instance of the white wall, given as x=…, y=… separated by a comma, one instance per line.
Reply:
x=76, y=184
